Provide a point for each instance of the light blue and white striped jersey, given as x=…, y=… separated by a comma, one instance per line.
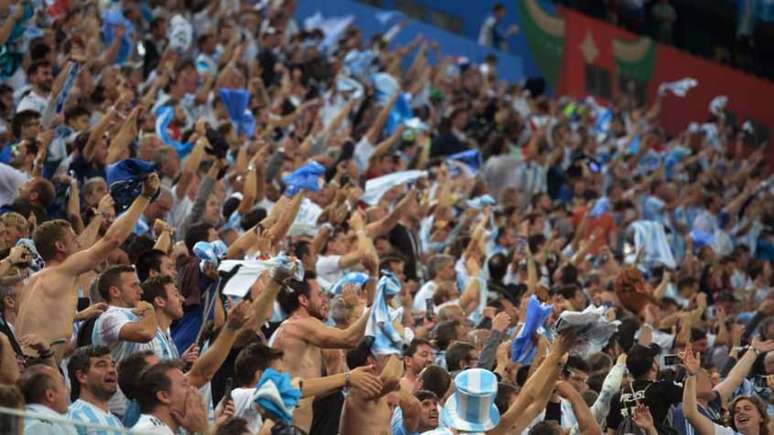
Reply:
x=107, y=331
x=83, y=411
x=162, y=345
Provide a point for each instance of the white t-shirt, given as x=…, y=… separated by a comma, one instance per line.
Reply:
x=364, y=149
x=245, y=408
x=150, y=425
x=11, y=179
x=32, y=101
x=425, y=292
x=181, y=208
x=328, y=271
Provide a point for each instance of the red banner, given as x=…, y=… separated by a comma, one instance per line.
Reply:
x=596, y=54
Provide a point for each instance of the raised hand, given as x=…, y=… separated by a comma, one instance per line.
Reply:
x=190, y=354
x=366, y=380
x=92, y=310
x=151, y=185
x=237, y=316
x=193, y=415
x=643, y=418
x=691, y=360
x=501, y=322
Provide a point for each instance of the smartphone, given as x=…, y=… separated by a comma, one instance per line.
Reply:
x=671, y=360
x=429, y=309
x=227, y=390
x=83, y=303
x=761, y=382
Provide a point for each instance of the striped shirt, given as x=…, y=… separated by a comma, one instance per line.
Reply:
x=107, y=331
x=85, y=412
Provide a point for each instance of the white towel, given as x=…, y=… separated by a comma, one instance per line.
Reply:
x=375, y=188
x=679, y=88
x=593, y=329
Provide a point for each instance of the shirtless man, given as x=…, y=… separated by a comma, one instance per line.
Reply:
x=363, y=414
x=48, y=303
x=303, y=336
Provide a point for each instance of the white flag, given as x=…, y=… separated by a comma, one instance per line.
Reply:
x=679, y=88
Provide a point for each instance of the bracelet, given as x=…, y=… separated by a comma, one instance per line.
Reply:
x=346, y=381
x=45, y=355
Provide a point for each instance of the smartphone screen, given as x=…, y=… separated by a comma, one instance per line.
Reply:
x=671, y=360
x=429, y=308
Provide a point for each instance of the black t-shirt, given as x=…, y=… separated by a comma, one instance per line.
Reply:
x=658, y=396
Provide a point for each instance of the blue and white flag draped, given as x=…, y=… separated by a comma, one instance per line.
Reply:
x=679, y=88
x=523, y=348
x=307, y=177
x=111, y=19
x=164, y=115
x=650, y=236
x=236, y=102
x=593, y=330
x=386, y=339
x=67, y=86
x=375, y=188
x=354, y=278
x=250, y=270
x=276, y=395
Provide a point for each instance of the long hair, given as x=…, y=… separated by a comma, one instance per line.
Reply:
x=759, y=405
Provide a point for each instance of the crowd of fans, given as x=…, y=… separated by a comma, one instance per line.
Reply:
x=368, y=247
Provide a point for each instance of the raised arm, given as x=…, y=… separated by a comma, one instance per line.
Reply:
x=143, y=330
x=537, y=390
x=587, y=425
x=742, y=368
x=85, y=260
x=207, y=364
x=190, y=167
x=321, y=335
x=376, y=128
x=700, y=423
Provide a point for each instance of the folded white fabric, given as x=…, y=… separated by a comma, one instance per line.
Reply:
x=250, y=270
x=650, y=236
x=592, y=329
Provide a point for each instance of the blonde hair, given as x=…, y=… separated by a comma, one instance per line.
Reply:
x=12, y=218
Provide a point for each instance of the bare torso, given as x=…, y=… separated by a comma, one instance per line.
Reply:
x=365, y=416
x=47, y=306
x=302, y=360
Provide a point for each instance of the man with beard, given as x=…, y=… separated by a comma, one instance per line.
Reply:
x=94, y=381
x=303, y=336
x=428, y=414
x=161, y=292
x=41, y=77
x=419, y=355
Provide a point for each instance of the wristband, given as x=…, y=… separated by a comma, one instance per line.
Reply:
x=47, y=354
x=346, y=382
